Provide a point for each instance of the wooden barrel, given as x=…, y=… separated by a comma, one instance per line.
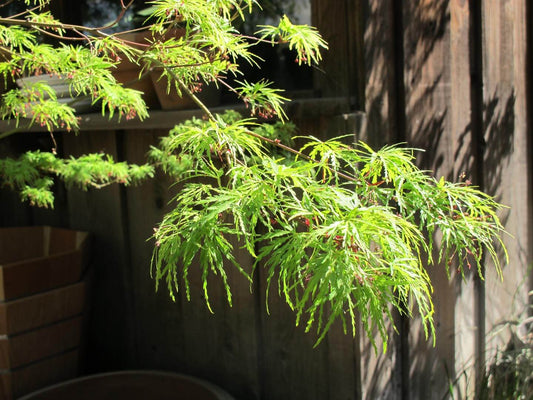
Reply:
x=132, y=385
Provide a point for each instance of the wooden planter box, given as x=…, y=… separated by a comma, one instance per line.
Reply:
x=42, y=301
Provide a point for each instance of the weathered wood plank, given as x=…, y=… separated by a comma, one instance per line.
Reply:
x=344, y=372
x=158, y=323
x=341, y=26
x=48, y=307
x=39, y=343
x=463, y=131
x=427, y=83
x=507, y=157
x=221, y=346
x=380, y=58
x=111, y=335
x=291, y=367
x=52, y=370
x=381, y=373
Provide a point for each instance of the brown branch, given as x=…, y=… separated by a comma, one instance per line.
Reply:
x=119, y=16
x=8, y=2
x=56, y=36
x=25, y=12
x=33, y=24
x=12, y=20
x=229, y=87
x=277, y=143
x=83, y=35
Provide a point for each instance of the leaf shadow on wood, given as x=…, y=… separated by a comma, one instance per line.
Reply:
x=394, y=55
x=496, y=149
x=499, y=121
x=430, y=20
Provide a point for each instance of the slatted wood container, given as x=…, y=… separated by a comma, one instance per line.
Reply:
x=42, y=299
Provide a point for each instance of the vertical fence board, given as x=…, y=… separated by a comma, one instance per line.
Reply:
x=428, y=113
x=463, y=164
x=220, y=346
x=112, y=337
x=343, y=364
x=160, y=342
x=380, y=56
x=507, y=166
x=240, y=356
x=380, y=373
x=340, y=25
x=292, y=368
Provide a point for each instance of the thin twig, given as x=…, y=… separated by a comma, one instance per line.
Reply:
x=27, y=11
x=12, y=20
x=198, y=102
x=119, y=16
x=60, y=37
x=227, y=85
x=8, y=2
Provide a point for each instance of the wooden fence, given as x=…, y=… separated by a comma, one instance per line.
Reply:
x=449, y=77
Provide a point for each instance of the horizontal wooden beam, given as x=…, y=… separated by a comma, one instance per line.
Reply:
x=159, y=119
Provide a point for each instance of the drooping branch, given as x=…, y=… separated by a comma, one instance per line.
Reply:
x=45, y=27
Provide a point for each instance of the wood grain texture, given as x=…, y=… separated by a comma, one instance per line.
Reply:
x=428, y=110
x=221, y=345
x=160, y=343
x=41, y=309
x=341, y=26
x=37, y=275
x=101, y=212
x=507, y=158
x=381, y=374
x=292, y=368
x=381, y=78
x=41, y=374
x=35, y=345
x=467, y=161
x=21, y=243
